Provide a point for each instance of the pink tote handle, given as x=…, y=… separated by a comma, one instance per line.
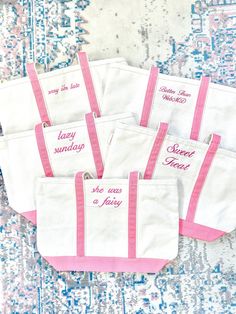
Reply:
x=43, y=153
x=132, y=209
x=147, y=106
x=94, y=142
x=199, y=108
x=38, y=93
x=205, y=167
x=79, y=191
x=156, y=148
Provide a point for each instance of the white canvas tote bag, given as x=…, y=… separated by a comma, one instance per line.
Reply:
x=194, y=109
x=205, y=172
x=107, y=225
x=56, y=97
x=53, y=151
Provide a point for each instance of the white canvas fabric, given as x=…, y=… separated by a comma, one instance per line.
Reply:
x=60, y=96
x=108, y=224
x=194, y=109
x=54, y=151
x=204, y=171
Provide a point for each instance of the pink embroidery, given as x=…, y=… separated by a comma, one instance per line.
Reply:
x=165, y=89
x=173, y=95
x=110, y=202
x=97, y=190
x=72, y=147
x=54, y=91
x=70, y=136
x=176, y=150
x=184, y=93
x=172, y=162
x=63, y=88
x=74, y=85
x=114, y=190
x=110, y=190
x=174, y=99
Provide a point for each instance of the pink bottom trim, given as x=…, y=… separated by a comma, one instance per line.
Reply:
x=194, y=230
x=106, y=264
x=31, y=216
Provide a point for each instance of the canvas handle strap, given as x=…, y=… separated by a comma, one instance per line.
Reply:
x=38, y=92
x=43, y=153
x=148, y=100
x=205, y=167
x=94, y=142
x=89, y=83
x=80, y=214
x=199, y=108
x=132, y=210
x=156, y=148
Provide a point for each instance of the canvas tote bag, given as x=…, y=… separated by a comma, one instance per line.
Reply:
x=56, y=97
x=194, y=109
x=53, y=151
x=107, y=225
x=207, y=185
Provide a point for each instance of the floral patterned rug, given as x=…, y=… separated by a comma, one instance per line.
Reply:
x=203, y=277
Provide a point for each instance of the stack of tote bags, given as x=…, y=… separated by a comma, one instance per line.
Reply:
x=113, y=162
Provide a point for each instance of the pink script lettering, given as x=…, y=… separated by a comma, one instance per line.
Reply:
x=110, y=202
x=172, y=162
x=176, y=150
x=70, y=136
x=97, y=189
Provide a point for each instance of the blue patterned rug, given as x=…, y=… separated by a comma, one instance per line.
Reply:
x=202, y=279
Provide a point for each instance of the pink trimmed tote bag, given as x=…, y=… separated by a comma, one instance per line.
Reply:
x=56, y=97
x=194, y=109
x=205, y=172
x=107, y=225
x=54, y=151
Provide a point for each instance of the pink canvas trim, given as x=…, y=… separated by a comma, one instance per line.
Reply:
x=156, y=148
x=89, y=83
x=38, y=93
x=79, y=189
x=148, y=100
x=43, y=150
x=214, y=144
x=133, y=188
x=31, y=216
x=198, y=113
x=197, y=231
x=92, y=132
x=106, y=264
